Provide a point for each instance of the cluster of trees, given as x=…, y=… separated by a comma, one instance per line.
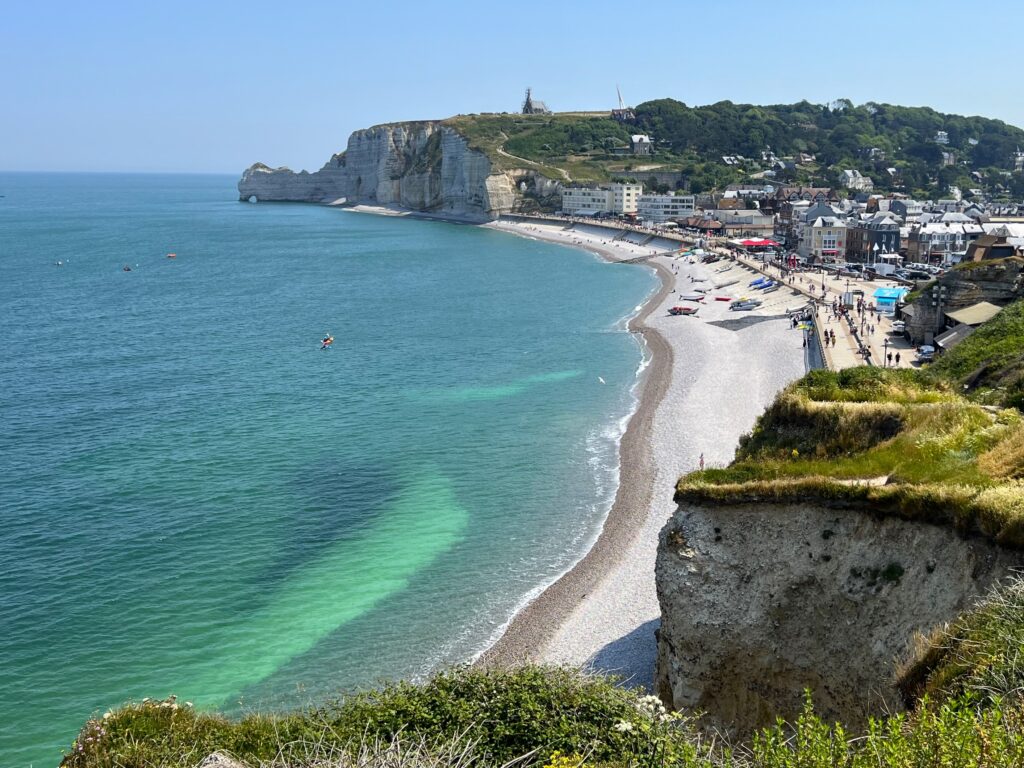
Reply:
x=841, y=135
x=563, y=137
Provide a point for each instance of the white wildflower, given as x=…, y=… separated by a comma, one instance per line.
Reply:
x=623, y=726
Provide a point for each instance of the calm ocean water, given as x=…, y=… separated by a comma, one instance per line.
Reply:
x=196, y=500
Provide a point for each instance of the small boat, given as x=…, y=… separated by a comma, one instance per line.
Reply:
x=172, y=255
x=743, y=306
x=771, y=288
x=126, y=268
x=683, y=310
x=692, y=296
x=723, y=298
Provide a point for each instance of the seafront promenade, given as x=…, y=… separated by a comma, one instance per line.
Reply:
x=856, y=342
x=861, y=338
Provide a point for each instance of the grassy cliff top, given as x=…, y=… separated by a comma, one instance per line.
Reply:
x=895, y=441
x=821, y=139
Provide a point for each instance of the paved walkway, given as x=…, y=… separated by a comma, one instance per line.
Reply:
x=855, y=333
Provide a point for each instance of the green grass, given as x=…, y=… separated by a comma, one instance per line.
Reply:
x=505, y=715
x=573, y=145
x=977, y=656
x=885, y=442
x=542, y=717
x=989, y=364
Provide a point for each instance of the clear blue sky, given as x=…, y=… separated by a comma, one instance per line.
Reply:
x=214, y=86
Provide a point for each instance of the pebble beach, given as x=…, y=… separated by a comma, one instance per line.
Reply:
x=708, y=378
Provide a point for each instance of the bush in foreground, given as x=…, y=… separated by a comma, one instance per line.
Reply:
x=555, y=718
x=523, y=714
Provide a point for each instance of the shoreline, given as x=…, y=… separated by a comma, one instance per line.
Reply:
x=707, y=381
x=536, y=623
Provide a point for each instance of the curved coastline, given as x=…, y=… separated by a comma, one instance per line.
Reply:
x=536, y=623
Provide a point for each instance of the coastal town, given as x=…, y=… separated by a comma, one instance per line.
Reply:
x=913, y=266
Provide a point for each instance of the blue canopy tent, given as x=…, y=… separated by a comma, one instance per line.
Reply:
x=886, y=298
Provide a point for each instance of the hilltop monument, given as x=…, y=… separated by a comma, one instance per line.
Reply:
x=531, y=107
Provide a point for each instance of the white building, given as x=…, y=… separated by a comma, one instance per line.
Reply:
x=613, y=198
x=661, y=208
x=856, y=181
x=641, y=144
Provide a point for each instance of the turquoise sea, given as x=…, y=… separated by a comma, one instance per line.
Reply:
x=195, y=499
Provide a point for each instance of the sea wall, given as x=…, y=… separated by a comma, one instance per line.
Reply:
x=421, y=166
x=760, y=602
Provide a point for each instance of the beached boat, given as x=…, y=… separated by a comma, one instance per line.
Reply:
x=683, y=310
x=692, y=296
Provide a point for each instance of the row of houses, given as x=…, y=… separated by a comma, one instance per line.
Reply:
x=813, y=221
x=821, y=228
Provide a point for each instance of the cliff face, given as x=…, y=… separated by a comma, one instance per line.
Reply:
x=997, y=282
x=761, y=602
x=423, y=166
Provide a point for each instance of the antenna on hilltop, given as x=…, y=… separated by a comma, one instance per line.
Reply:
x=622, y=104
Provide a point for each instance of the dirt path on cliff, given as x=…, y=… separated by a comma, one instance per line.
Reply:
x=501, y=151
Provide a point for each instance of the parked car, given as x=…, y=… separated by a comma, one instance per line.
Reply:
x=899, y=326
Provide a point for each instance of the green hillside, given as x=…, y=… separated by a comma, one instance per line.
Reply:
x=872, y=138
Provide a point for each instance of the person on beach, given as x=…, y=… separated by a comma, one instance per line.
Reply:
x=702, y=462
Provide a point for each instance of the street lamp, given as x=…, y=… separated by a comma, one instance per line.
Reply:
x=938, y=297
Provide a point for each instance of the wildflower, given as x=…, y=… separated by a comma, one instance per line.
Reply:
x=623, y=726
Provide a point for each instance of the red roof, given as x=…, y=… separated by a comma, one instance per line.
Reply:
x=757, y=243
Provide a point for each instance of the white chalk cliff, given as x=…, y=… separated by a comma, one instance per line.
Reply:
x=421, y=166
x=762, y=601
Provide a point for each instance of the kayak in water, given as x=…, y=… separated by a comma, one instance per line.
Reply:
x=326, y=341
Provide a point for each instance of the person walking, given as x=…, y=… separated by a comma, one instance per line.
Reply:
x=889, y=357
x=702, y=462
x=897, y=359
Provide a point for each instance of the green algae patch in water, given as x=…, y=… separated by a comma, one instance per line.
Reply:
x=342, y=583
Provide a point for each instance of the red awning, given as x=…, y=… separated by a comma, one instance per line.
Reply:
x=757, y=243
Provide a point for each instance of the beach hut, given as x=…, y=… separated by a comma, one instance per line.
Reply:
x=886, y=298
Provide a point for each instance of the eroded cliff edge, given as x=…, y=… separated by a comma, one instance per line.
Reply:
x=866, y=505
x=425, y=167
x=762, y=601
